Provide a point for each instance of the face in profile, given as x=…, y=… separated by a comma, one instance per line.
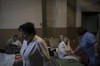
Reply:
x=24, y=35
x=66, y=39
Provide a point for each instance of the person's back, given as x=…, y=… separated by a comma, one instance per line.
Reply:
x=87, y=41
x=43, y=49
x=34, y=50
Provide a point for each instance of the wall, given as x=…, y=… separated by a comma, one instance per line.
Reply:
x=71, y=22
x=0, y=12
x=63, y=16
x=6, y=34
x=88, y=6
x=57, y=13
x=90, y=21
x=57, y=17
x=60, y=13
x=85, y=6
x=16, y=12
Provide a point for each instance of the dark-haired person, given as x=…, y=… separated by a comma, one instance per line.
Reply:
x=87, y=42
x=34, y=50
x=15, y=41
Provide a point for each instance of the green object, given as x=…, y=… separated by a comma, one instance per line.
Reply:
x=63, y=62
x=44, y=19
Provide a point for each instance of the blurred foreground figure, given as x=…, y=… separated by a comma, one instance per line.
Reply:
x=34, y=50
x=87, y=42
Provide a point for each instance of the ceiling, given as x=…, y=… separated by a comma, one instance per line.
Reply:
x=97, y=2
x=94, y=1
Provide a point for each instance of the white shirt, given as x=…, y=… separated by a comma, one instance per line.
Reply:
x=64, y=50
x=36, y=53
x=17, y=42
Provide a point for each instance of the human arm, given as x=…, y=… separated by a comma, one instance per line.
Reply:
x=45, y=52
x=71, y=50
x=96, y=49
x=18, y=58
x=62, y=49
x=77, y=49
x=92, y=40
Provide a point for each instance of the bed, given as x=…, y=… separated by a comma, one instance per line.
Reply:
x=63, y=62
x=9, y=56
x=9, y=60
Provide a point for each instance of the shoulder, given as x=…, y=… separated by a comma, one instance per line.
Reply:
x=61, y=44
x=39, y=40
x=88, y=34
x=90, y=37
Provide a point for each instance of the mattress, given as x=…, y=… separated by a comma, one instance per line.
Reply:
x=63, y=62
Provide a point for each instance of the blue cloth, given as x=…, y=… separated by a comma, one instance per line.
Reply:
x=87, y=42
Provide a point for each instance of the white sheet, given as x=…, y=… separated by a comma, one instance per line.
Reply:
x=72, y=57
x=7, y=59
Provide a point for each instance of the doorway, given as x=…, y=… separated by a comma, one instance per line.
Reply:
x=90, y=21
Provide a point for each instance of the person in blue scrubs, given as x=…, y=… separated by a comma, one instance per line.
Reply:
x=87, y=42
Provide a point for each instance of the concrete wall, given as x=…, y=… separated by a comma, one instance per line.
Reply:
x=63, y=16
x=0, y=10
x=60, y=13
x=16, y=12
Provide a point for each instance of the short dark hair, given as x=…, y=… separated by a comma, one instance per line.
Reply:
x=27, y=27
x=81, y=30
x=15, y=35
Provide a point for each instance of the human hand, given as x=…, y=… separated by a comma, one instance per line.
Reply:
x=18, y=58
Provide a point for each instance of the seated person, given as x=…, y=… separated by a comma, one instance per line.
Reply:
x=65, y=51
x=14, y=40
x=61, y=38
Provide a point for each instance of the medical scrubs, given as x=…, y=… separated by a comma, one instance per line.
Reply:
x=87, y=42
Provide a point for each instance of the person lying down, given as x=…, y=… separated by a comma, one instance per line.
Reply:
x=65, y=51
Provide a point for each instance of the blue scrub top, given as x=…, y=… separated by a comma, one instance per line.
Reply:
x=87, y=42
